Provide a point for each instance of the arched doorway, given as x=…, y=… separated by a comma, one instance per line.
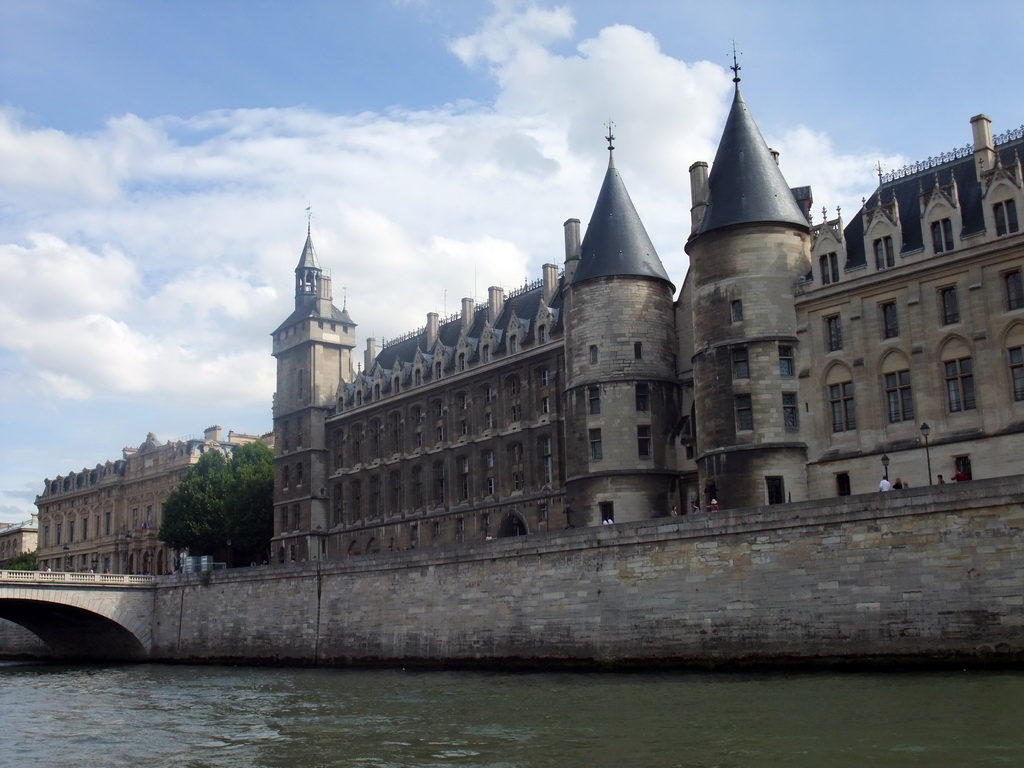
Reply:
x=512, y=525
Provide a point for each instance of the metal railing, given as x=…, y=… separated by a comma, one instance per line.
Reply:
x=69, y=577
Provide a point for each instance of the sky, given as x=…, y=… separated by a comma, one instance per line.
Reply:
x=157, y=161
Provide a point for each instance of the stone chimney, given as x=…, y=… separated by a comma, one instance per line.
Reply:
x=495, y=303
x=212, y=433
x=468, y=307
x=433, y=326
x=572, y=247
x=550, y=282
x=369, y=354
x=698, y=194
x=984, y=149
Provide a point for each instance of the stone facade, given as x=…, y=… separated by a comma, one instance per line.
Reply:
x=106, y=519
x=16, y=539
x=794, y=360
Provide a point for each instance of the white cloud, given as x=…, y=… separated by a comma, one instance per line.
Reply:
x=145, y=265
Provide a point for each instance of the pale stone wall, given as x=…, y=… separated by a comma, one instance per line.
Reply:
x=16, y=642
x=922, y=573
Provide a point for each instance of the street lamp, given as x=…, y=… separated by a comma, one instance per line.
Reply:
x=67, y=558
x=885, y=465
x=925, y=431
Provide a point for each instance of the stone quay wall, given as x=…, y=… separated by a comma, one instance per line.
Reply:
x=919, y=574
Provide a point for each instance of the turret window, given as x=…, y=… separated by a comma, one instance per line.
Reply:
x=790, y=416
x=744, y=413
x=593, y=354
x=1005, y=214
x=638, y=350
x=833, y=333
x=643, y=441
x=785, y=360
x=942, y=235
x=737, y=310
x=595, y=444
x=740, y=363
x=593, y=401
x=643, y=397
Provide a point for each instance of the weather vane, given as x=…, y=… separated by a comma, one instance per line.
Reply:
x=735, y=64
x=610, y=137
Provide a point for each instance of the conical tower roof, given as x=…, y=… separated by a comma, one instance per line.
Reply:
x=308, y=259
x=745, y=185
x=616, y=242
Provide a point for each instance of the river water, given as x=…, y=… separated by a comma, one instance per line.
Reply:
x=192, y=717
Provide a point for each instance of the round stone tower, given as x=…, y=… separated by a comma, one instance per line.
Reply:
x=750, y=246
x=620, y=396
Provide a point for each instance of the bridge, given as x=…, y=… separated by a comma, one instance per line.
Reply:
x=82, y=615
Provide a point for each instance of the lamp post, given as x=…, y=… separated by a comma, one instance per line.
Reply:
x=885, y=465
x=67, y=558
x=925, y=431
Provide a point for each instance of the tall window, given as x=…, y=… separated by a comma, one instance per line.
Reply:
x=542, y=334
x=1014, y=289
x=595, y=444
x=638, y=350
x=1016, y=372
x=374, y=497
x=737, y=310
x=593, y=400
x=833, y=333
x=417, y=487
x=463, y=464
x=899, y=397
x=829, y=264
x=513, y=344
x=740, y=364
x=884, y=255
x=790, y=418
x=643, y=397
x=785, y=360
x=643, y=441
x=593, y=353
x=547, y=461
x=1006, y=217
x=438, y=483
x=776, y=488
x=960, y=385
x=744, y=413
x=844, y=413
x=843, y=484
x=949, y=305
x=890, y=322
x=942, y=235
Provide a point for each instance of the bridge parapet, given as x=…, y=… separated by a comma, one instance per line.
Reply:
x=68, y=577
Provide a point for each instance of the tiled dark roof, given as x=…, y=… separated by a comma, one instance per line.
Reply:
x=308, y=258
x=745, y=185
x=616, y=242
x=907, y=193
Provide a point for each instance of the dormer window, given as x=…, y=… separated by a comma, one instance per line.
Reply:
x=1005, y=214
x=542, y=332
x=513, y=344
x=884, y=255
x=942, y=235
x=437, y=370
x=486, y=354
x=829, y=264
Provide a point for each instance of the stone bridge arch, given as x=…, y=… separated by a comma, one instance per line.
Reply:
x=108, y=622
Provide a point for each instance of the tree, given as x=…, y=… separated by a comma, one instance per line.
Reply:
x=194, y=511
x=249, y=511
x=26, y=561
x=220, y=501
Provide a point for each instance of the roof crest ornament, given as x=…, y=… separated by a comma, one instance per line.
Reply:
x=735, y=66
x=309, y=219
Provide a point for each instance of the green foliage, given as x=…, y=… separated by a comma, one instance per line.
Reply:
x=218, y=501
x=249, y=519
x=26, y=561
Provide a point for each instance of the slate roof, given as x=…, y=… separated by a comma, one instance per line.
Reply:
x=745, y=185
x=907, y=193
x=616, y=242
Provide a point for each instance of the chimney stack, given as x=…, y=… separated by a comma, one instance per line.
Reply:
x=984, y=149
x=572, y=247
x=495, y=303
x=698, y=194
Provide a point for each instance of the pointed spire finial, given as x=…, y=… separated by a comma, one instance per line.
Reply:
x=610, y=137
x=309, y=219
x=735, y=65
x=878, y=169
